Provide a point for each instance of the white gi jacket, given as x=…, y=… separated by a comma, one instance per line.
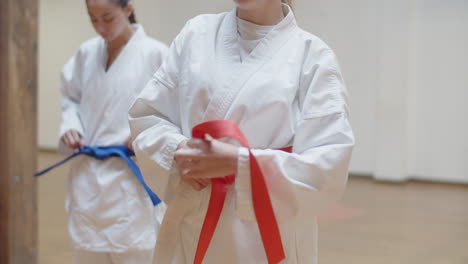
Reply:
x=288, y=91
x=108, y=208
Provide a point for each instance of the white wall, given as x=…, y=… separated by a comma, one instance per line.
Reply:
x=438, y=120
x=62, y=27
x=403, y=60
x=350, y=28
x=405, y=65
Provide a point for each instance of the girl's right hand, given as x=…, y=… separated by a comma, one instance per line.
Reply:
x=72, y=139
x=197, y=184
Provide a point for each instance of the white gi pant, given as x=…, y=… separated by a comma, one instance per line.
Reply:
x=131, y=257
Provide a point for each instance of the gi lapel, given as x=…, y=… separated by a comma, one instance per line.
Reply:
x=229, y=56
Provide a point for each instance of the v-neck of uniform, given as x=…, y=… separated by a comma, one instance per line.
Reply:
x=266, y=46
x=234, y=73
x=264, y=49
x=250, y=35
x=105, y=55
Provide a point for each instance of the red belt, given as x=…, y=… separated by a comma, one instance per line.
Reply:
x=264, y=214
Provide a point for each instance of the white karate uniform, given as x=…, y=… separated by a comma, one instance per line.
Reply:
x=288, y=91
x=108, y=209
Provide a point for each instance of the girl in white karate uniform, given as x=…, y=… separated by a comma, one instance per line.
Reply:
x=282, y=86
x=111, y=217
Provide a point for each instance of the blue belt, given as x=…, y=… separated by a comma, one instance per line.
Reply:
x=102, y=153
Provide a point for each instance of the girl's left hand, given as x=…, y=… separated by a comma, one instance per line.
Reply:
x=206, y=159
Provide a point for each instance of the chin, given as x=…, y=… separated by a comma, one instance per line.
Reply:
x=245, y=4
x=108, y=38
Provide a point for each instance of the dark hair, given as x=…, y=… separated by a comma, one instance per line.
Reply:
x=123, y=4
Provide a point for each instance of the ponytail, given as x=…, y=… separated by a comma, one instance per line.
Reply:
x=132, y=18
x=123, y=4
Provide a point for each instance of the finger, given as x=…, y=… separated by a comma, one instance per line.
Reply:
x=196, y=174
x=76, y=138
x=188, y=154
x=203, y=182
x=186, y=173
x=203, y=185
x=209, y=140
x=195, y=185
x=130, y=146
x=75, y=135
x=64, y=139
x=185, y=169
x=199, y=144
x=208, y=137
x=69, y=137
x=76, y=141
x=187, y=164
x=200, y=174
x=82, y=143
x=194, y=143
x=71, y=140
x=129, y=141
x=202, y=170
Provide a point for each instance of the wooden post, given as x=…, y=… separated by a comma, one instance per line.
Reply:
x=18, y=153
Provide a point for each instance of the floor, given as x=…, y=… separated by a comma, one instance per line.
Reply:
x=375, y=223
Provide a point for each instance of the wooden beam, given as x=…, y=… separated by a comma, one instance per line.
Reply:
x=18, y=110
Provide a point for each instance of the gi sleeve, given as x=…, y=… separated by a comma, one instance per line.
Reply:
x=314, y=176
x=156, y=126
x=71, y=97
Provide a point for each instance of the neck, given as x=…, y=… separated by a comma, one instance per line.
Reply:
x=269, y=14
x=122, y=39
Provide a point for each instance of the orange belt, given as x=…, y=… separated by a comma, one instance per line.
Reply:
x=264, y=214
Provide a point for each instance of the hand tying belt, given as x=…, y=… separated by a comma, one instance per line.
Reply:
x=264, y=214
x=102, y=153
